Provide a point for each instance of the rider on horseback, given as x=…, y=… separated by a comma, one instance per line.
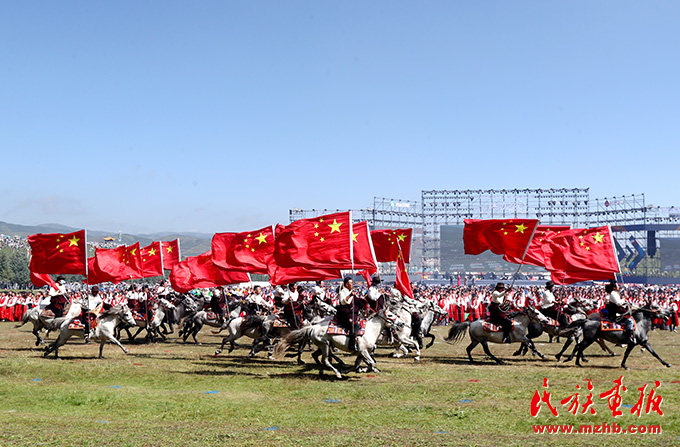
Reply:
x=615, y=310
x=550, y=307
x=218, y=304
x=291, y=306
x=348, y=311
x=498, y=316
x=255, y=303
x=374, y=295
x=91, y=306
x=58, y=298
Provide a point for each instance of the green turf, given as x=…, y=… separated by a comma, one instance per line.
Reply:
x=164, y=400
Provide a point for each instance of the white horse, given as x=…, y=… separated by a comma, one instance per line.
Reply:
x=324, y=341
x=163, y=306
x=431, y=312
x=402, y=337
x=104, y=331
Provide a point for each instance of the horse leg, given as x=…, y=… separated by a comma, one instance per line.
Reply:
x=564, y=348
x=485, y=346
x=327, y=363
x=532, y=346
x=429, y=345
x=605, y=348
x=580, y=348
x=301, y=348
x=651, y=351
x=629, y=348
x=113, y=340
x=469, y=349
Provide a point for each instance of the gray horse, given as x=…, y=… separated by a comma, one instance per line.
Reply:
x=480, y=336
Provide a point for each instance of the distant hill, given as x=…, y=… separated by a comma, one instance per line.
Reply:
x=191, y=244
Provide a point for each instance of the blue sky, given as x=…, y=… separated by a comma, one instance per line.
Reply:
x=221, y=116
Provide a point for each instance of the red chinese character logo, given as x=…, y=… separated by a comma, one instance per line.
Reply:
x=537, y=399
x=613, y=396
x=653, y=401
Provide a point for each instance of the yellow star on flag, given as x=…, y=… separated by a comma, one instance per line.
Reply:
x=73, y=241
x=316, y=234
x=599, y=237
x=354, y=236
x=132, y=252
x=152, y=252
x=169, y=248
x=521, y=228
x=322, y=239
x=316, y=225
x=262, y=239
x=335, y=226
x=402, y=237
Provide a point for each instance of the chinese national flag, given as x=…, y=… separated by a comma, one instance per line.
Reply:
x=581, y=251
x=199, y=271
x=534, y=254
x=250, y=251
x=363, y=254
x=42, y=279
x=319, y=242
x=501, y=236
x=388, y=242
x=286, y=275
x=59, y=253
x=402, y=282
x=171, y=254
x=117, y=264
x=152, y=263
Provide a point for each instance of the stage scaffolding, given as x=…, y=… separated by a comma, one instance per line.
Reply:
x=637, y=226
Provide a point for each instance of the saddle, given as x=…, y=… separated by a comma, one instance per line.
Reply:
x=76, y=325
x=488, y=326
x=608, y=325
x=47, y=313
x=335, y=329
x=138, y=316
x=211, y=316
x=279, y=322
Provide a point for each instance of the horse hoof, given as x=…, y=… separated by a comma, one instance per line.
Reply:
x=417, y=359
x=668, y=365
x=541, y=356
x=338, y=376
x=625, y=367
x=218, y=352
x=127, y=351
x=557, y=356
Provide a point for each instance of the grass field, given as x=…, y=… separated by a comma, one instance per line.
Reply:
x=171, y=394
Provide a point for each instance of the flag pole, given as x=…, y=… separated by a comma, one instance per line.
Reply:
x=160, y=248
x=526, y=249
x=87, y=271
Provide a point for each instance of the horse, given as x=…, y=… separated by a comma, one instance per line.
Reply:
x=480, y=336
x=194, y=323
x=592, y=330
x=431, y=313
x=404, y=337
x=33, y=315
x=104, y=331
x=153, y=326
x=318, y=333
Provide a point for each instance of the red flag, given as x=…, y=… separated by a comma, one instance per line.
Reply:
x=564, y=278
x=402, y=283
x=319, y=242
x=286, y=275
x=117, y=264
x=199, y=271
x=42, y=279
x=152, y=264
x=363, y=254
x=59, y=253
x=535, y=254
x=581, y=250
x=366, y=274
x=249, y=251
x=501, y=236
x=388, y=242
x=95, y=276
x=171, y=253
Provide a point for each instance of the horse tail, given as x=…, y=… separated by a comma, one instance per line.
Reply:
x=55, y=324
x=296, y=336
x=457, y=332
